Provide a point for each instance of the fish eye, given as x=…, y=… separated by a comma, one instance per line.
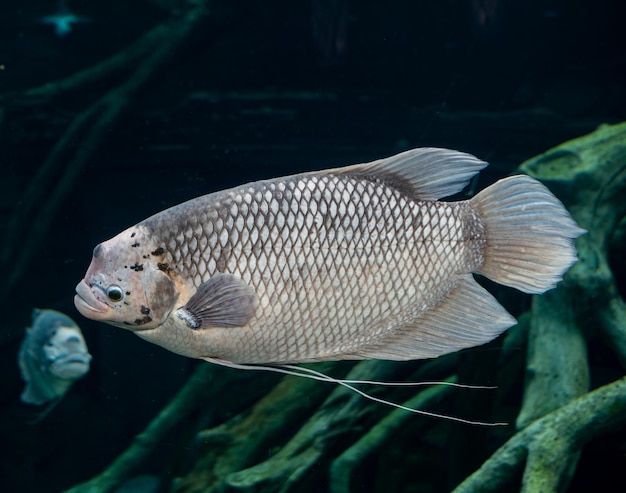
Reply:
x=115, y=293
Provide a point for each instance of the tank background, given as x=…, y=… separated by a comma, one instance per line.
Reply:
x=251, y=97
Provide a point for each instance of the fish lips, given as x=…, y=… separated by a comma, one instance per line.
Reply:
x=88, y=304
x=72, y=367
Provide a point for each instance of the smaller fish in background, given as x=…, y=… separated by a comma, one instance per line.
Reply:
x=52, y=356
x=63, y=20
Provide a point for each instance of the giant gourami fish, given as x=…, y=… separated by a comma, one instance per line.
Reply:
x=52, y=356
x=359, y=262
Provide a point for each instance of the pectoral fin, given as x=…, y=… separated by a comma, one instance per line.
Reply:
x=225, y=300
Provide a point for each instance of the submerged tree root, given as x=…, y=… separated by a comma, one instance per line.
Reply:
x=547, y=444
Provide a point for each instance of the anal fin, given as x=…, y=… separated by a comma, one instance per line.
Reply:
x=468, y=316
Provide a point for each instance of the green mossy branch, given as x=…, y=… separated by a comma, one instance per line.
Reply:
x=548, y=442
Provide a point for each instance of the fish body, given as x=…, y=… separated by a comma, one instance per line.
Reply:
x=52, y=356
x=350, y=263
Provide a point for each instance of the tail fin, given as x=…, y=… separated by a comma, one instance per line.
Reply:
x=529, y=234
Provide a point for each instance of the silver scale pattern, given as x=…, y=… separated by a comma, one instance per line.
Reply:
x=328, y=255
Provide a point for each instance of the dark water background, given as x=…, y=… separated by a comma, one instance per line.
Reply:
x=257, y=90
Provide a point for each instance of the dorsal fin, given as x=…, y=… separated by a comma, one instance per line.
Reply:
x=425, y=173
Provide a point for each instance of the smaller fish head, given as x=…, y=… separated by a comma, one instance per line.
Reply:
x=123, y=288
x=67, y=354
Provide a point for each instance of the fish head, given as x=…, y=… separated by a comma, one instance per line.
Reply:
x=53, y=354
x=124, y=285
x=66, y=353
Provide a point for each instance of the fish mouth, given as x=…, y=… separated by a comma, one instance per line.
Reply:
x=88, y=304
x=71, y=369
x=73, y=358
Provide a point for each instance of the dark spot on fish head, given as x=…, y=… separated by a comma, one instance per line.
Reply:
x=137, y=267
x=163, y=266
x=143, y=321
x=136, y=244
x=133, y=235
x=145, y=310
x=159, y=251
